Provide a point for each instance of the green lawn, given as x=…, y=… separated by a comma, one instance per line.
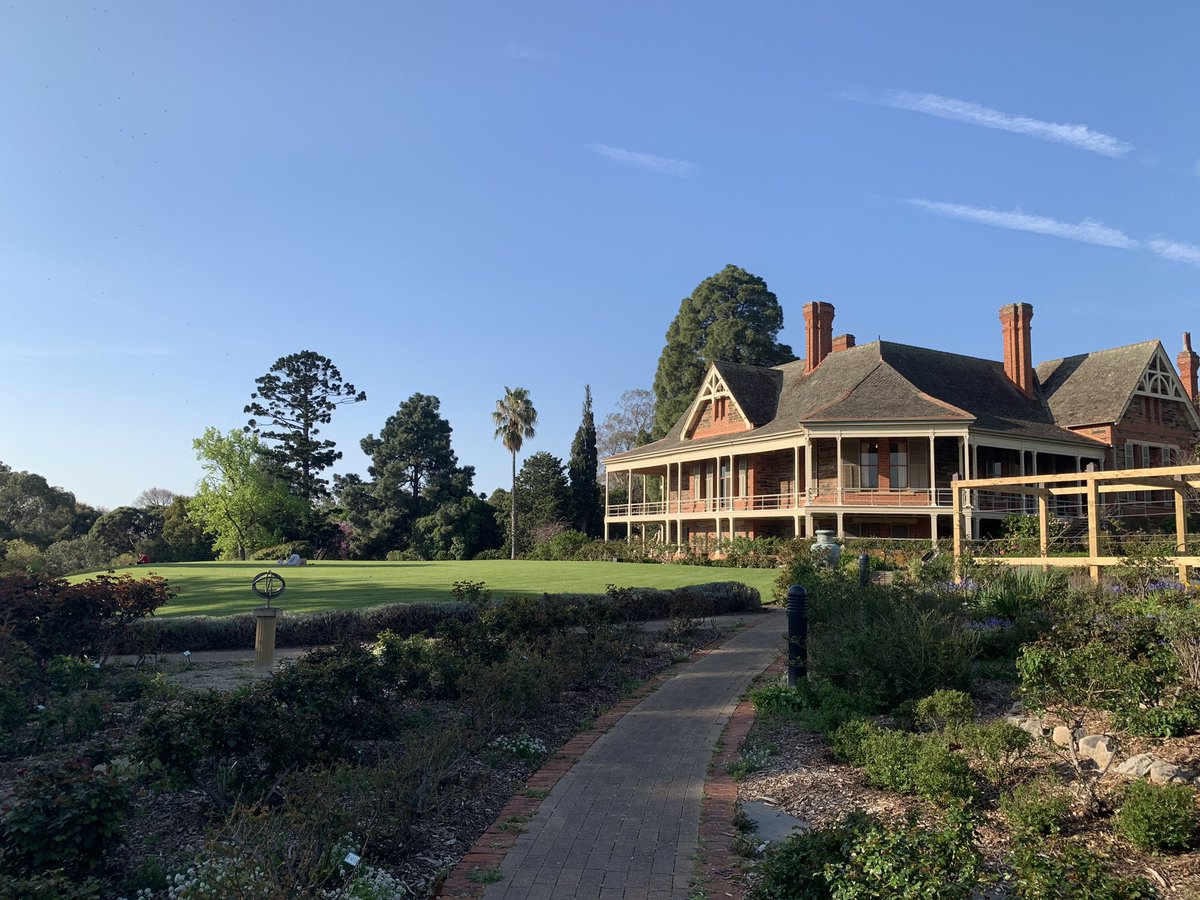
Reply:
x=223, y=588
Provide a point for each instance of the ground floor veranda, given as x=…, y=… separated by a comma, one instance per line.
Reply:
x=860, y=484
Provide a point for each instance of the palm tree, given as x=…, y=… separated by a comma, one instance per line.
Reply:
x=514, y=418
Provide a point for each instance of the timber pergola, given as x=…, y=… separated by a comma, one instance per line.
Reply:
x=1090, y=486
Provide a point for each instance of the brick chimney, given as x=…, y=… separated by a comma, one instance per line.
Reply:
x=1018, y=358
x=1189, y=364
x=818, y=333
x=843, y=342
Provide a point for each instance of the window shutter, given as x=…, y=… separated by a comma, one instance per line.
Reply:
x=1128, y=464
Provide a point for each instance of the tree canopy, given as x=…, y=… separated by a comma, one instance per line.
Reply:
x=629, y=426
x=297, y=396
x=241, y=501
x=731, y=316
x=414, y=471
x=33, y=510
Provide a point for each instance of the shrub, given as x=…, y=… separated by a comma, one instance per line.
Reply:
x=861, y=858
x=820, y=707
x=1158, y=817
x=1071, y=873
x=19, y=678
x=403, y=556
x=425, y=667
x=55, y=618
x=50, y=886
x=890, y=643
x=492, y=554
x=945, y=709
x=915, y=764
x=64, y=818
x=995, y=748
x=906, y=860
x=847, y=740
x=795, y=870
x=1035, y=809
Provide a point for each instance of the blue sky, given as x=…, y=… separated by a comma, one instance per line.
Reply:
x=454, y=197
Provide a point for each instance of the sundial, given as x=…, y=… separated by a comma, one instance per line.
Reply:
x=268, y=585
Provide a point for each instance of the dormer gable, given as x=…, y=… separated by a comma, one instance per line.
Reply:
x=1160, y=384
x=715, y=411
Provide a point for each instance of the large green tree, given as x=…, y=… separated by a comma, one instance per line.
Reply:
x=515, y=420
x=241, y=500
x=33, y=510
x=582, y=467
x=128, y=529
x=413, y=472
x=731, y=316
x=293, y=400
x=543, y=498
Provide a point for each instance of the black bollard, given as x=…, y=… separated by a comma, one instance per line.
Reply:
x=864, y=570
x=797, y=622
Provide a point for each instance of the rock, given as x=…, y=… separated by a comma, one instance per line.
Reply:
x=1136, y=766
x=1098, y=748
x=1062, y=735
x=1163, y=772
x=771, y=824
x=1027, y=724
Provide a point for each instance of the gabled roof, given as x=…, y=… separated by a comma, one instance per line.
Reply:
x=1092, y=388
x=879, y=382
x=755, y=389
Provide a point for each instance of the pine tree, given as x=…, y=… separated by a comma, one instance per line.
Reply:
x=581, y=468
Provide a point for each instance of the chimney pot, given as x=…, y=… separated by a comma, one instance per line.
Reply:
x=818, y=334
x=1018, y=357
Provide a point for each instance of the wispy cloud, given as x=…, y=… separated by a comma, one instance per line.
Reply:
x=1173, y=250
x=1079, y=136
x=1089, y=231
x=661, y=164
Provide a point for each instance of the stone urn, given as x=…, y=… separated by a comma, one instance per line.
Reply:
x=824, y=549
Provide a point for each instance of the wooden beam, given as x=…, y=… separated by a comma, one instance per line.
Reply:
x=1180, y=534
x=1093, y=516
x=1043, y=526
x=1114, y=475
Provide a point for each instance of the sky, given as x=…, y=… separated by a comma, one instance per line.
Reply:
x=452, y=198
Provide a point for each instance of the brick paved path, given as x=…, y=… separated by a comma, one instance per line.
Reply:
x=625, y=820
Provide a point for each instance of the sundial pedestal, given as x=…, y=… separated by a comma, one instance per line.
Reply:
x=264, y=638
x=267, y=586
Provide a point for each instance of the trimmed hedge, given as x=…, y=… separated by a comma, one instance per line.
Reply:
x=197, y=633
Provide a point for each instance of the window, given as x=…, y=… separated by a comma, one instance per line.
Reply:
x=899, y=529
x=868, y=463
x=719, y=408
x=743, y=475
x=898, y=457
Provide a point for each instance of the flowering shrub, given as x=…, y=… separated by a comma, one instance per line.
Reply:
x=522, y=746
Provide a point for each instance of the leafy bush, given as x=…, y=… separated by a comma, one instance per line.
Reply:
x=815, y=705
x=424, y=666
x=50, y=886
x=55, y=618
x=889, y=643
x=862, y=858
x=64, y=818
x=19, y=680
x=1035, y=809
x=915, y=764
x=491, y=554
x=795, y=870
x=1158, y=817
x=906, y=860
x=996, y=748
x=945, y=709
x=403, y=556
x=1071, y=873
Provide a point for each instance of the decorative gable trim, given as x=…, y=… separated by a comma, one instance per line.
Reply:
x=1159, y=379
x=711, y=390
